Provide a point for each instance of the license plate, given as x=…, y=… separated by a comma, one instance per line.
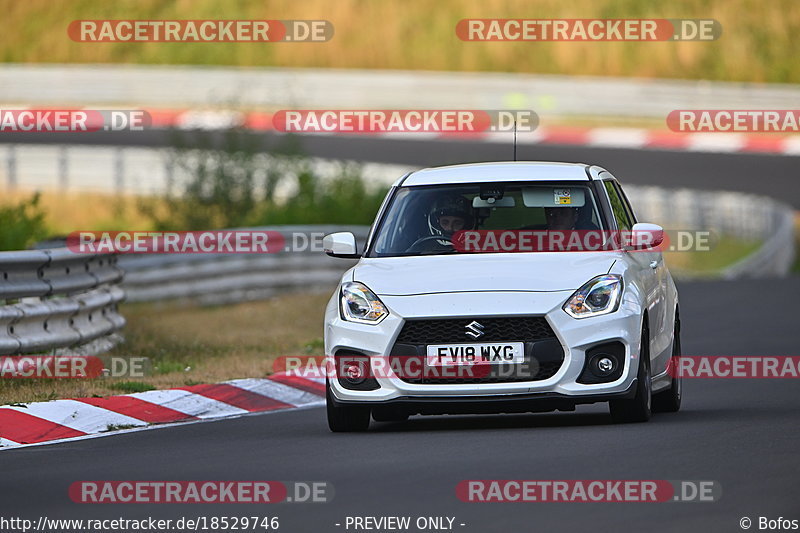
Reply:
x=476, y=354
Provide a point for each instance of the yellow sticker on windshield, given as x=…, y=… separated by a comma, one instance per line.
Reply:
x=562, y=196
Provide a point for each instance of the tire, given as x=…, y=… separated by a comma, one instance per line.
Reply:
x=343, y=417
x=669, y=401
x=638, y=408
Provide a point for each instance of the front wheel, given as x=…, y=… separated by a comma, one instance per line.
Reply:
x=344, y=417
x=669, y=401
x=638, y=408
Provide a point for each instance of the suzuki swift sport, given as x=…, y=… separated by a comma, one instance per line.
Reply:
x=502, y=288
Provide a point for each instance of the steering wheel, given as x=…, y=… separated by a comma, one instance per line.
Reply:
x=413, y=247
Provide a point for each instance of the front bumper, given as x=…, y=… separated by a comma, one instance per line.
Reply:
x=487, y=404
x=561, y=389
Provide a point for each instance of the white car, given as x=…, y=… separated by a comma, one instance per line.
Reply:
x=419, y=326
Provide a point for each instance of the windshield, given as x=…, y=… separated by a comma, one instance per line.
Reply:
x=422, y=220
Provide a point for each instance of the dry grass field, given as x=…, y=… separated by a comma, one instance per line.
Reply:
x=757, y=44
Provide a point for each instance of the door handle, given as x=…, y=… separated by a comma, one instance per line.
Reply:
x=653, y=264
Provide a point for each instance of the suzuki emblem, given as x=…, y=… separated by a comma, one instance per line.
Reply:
x=474, y=329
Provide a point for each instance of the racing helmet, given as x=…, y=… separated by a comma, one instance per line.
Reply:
x=454, y=206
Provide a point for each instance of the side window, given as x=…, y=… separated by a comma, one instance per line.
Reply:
x=617, y=206
x=625, y=202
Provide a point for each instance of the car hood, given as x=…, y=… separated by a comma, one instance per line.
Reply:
x=404, y=276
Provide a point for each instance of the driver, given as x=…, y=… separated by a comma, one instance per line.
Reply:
x=561, y=218
x=449, y=215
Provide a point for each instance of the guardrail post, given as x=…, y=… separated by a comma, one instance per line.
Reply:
x=63, y=167
x=169, y=173
x=11, y=165
x=119, y=171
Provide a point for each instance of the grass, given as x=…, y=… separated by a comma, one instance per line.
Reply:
x=725, y=252
x=193, y=345
x=128, y=387
x=758, y=41
x=98, y=211
x=118, y=427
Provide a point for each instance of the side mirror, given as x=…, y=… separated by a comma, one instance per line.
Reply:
x=645, y=236
x=342, y=244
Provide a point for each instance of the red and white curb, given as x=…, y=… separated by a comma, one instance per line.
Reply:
x=42, y=422
x=631, y=138
x=581, y=136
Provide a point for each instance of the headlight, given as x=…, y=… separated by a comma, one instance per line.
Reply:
x=359, y=304
x=599, y=296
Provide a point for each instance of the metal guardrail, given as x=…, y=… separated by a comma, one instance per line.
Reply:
x=776, y=255
x=60, y=301
x=230, y=279
x=226, y=278
x=747, y=217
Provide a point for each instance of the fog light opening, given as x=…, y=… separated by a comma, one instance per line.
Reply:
x=354, y=372
x=604, y=365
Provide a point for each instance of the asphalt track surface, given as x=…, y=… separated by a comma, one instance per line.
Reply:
x=764, y=174
x=742, y=433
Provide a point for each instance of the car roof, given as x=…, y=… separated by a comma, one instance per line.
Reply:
x=500, y=171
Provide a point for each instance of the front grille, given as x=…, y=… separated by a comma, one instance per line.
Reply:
x=543, y=352
x=452, y=330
